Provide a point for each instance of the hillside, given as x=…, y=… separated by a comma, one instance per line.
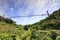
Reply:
x=7, y=28
x=46, y=29
x=51, y=22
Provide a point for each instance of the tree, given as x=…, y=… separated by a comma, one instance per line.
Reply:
x=26, y=27
x=9, y=21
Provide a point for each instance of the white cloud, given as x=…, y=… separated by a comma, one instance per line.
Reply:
x=38, y=7
x=29, y=7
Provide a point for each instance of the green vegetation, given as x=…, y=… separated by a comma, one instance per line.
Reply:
x=46, y=29
x=50, y=23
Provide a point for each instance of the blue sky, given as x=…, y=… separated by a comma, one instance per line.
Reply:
x=27, y=7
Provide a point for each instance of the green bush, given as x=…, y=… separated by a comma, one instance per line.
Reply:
x=58, y=38
x=47, y=38
x=7, y=36
x=9, y=21
x=41, y=35
x=54, y=35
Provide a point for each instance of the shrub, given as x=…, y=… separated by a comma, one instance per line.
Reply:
x=54, y=35
x=47, y=38
x=58, y=38
x=9, y=21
